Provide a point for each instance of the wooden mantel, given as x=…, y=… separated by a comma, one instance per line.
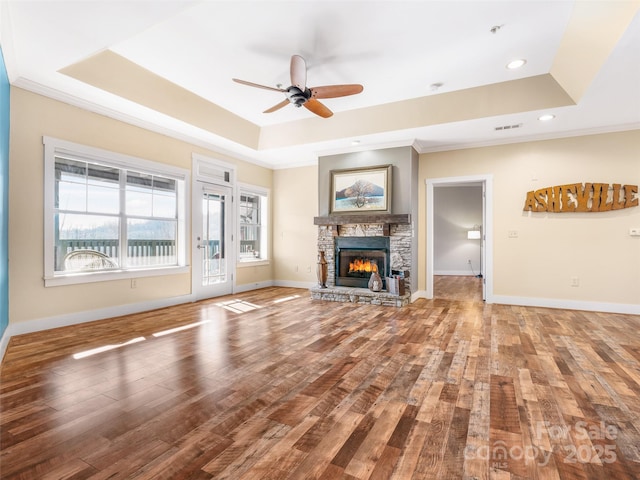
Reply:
x=385, y=219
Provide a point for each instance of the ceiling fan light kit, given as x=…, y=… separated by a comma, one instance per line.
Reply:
x=299, y=95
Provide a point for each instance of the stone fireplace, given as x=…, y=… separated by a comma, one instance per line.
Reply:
x=383, y=239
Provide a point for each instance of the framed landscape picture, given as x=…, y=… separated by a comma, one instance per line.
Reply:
x=361, y=190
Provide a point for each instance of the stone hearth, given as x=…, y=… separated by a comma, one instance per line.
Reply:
x=360, y=295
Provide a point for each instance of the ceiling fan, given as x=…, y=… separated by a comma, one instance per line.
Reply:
x=299, y=95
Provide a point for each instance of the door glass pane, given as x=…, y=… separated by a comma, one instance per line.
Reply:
x=212, y=247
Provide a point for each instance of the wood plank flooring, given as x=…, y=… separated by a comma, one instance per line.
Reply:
x=457, y=287
x=270, y=384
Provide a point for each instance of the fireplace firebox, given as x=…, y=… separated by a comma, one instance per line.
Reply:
x=357, y=257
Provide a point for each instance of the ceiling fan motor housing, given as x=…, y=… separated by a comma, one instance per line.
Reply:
x=297, y=96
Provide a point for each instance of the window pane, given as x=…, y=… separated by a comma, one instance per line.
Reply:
x=164, y=185
x=92, y=233
x=71, y=196
x=71, y=180
x=249, y=208
x=164, y=197
x=139, y=203
x=103, y=200
x=139, y=194
x=252, y=217
x=139, y=181
x=151, y=196
x=71, y=170
x=151, y=242
x=105, y=176
x=250, y=242
x=164, y=206
x=103, y=190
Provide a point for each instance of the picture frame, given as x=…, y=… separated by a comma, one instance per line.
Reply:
x=362, y=190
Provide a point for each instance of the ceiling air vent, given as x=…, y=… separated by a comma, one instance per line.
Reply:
x=508, y=127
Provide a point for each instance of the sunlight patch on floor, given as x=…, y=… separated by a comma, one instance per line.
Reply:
x=106, y=348
x=179, y=329
x=238, y=306
x=286, y=299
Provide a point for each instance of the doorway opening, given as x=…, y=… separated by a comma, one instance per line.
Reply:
x=472, y=257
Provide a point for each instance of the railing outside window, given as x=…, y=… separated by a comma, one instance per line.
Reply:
x=139, y=252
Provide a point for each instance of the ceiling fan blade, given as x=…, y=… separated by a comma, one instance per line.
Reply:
x=333, y=91
x=318, y=108
x=283, y=103
x=251, y=84
x=298, y=72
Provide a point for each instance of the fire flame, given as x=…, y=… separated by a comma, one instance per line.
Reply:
x=360, y=265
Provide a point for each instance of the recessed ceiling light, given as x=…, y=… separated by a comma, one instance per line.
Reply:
x=546, y=117
x=516, y=64
x=435, y=86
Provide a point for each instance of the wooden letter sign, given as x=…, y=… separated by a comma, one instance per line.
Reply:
x=579, y=197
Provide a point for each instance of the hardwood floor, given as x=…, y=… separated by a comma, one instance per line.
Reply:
x=457, y=287
x=273, y=385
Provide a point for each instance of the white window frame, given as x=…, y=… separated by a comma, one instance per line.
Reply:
x=54, y=147
x=244, y=188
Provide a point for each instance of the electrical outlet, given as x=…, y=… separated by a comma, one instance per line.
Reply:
x=575, y=282
x=513, y=234
x=134, y=283
x=469, y=262
x=634, y=232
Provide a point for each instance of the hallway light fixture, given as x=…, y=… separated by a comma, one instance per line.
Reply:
x=476, y=234
x=473, y=234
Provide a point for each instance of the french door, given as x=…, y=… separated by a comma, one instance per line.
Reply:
x=212, y=248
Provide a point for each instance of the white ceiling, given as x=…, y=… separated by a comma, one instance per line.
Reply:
x=396, y=49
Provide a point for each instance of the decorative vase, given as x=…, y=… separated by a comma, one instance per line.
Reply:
x=375, y=282
x=322, y=270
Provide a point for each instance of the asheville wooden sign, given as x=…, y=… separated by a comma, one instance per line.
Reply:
x=582, y=197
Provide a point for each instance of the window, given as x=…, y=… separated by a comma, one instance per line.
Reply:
x=253, y=224
x=106, y=214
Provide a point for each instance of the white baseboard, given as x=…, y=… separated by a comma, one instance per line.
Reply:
x=419, y=294
x=252, y=286
x=624, y=308
x=4, y=343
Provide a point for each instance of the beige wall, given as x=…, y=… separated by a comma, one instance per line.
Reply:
x=295, y=235
x=34, y=116
x=553, y=247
